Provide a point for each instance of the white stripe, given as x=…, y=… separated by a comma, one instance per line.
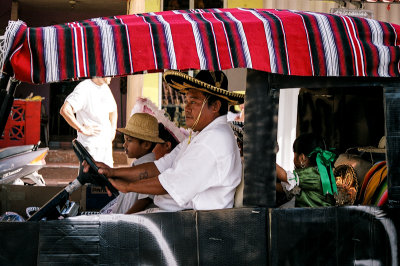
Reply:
x=107, y=44
x=328, y=42
x=358, y=46
x=353, y=47
x=197, y=38
x=383, y=51
x=129, y=44
x=243, y=39
x=30, y=52
x=152, y=42
x=227, y=41
x=77, y=66
x=270, y=41
x=170, y=42
x=215, y=40
x=50, y=54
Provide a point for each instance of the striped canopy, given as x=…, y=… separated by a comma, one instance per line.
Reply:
x=277, y=41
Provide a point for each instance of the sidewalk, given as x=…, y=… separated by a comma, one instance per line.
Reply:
x=62, y=166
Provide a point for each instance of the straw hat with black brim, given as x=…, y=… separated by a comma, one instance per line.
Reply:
x=142, y=126
x=211, y=82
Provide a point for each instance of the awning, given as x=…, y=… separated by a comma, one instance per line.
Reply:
x=277, y=41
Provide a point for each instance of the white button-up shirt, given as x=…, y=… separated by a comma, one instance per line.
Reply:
x=202, y=174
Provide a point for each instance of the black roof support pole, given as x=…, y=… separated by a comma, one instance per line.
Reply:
x=260, y=138
x=392, y=117
x=7, y=90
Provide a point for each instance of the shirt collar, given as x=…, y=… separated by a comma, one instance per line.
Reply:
x=223, y=119
x=145, y=159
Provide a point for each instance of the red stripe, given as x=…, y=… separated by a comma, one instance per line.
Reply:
x=184, y=42
x=297, y=48
x=140, y=40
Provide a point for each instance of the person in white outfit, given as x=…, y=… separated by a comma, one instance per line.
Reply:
x=96, y=117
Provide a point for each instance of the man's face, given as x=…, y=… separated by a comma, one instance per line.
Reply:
x=194, y=101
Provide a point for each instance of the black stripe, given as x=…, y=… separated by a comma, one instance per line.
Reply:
x=209, y=38
x=157, y=43
x=235, y=51
x=368, y=52
x=124, y=44
x=35, y=55
x=68, y=52
x=280, y=36
x=90, y=48
x=314, y=51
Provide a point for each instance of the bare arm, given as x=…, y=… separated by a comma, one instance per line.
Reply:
x=113, y=119
x=142, y=178
x=68, y=113
x=281, y=173
x=139, y=205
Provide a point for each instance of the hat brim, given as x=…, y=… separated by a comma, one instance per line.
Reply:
x=183, y=82
x=140, y=136
x=372, y=149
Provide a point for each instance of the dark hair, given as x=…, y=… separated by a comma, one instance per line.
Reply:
x=166, y=136
x=153, y=144
x=306, y=143
x=212, y=99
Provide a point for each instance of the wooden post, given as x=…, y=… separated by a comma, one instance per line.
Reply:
x=134, y=82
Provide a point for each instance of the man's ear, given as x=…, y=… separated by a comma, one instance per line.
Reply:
x=168, y=145
x=216, y=106
x=147, y=144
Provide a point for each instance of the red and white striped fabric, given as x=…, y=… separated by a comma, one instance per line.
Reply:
x=277, y=41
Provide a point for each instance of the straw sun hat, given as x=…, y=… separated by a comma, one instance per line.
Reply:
x=212, y=82
x=142, y=126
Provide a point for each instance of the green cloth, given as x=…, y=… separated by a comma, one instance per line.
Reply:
x=311, y=194
x=324, y=161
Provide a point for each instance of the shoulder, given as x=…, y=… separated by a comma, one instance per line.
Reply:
x=220, y=136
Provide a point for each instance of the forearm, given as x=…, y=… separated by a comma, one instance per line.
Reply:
x=136, y=173
x=67, y=112
x=147, y=186
x=139, y=205
x=113, y=120
x=281, y=173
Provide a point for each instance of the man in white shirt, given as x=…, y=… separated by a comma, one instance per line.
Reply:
x=96, y=117
x=203, y=171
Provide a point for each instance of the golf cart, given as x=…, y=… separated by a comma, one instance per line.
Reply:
x=281, y=49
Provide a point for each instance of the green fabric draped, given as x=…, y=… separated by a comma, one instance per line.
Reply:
x=324, y=162
x=311, y=194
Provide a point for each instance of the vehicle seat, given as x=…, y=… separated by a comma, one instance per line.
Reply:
x=238, y=200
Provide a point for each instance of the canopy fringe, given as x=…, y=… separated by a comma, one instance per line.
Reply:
x=7, y=41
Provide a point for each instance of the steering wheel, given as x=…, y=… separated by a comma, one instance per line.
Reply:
x=92, y=176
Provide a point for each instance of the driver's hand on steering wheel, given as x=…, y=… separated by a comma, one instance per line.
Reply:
x=103, y=168
x=119, y=184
